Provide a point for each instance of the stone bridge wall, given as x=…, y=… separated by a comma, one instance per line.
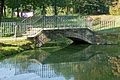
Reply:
x=82, y=35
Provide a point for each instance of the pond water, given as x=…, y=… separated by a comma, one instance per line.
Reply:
x=74, y=62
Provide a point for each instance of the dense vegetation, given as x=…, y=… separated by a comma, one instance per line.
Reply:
x=56, y=7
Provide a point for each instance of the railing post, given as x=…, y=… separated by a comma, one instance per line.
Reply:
x=0, y=29
x=15, y=34
x=100, y=24
x=43, y=22
x=31, y=22
x=114, y=23
x=3, y=29
x=56, y=21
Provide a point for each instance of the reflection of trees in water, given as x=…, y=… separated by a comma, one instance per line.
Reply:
x=82, y=63
x=42, y=70
x=77, y=53
x=68, y=54
x=6, y=64
x=115, y=65
x=33, y=64
x=85, y=70
x=77, y=62
x=21, y=64
x=92, y=70
x=97, y=67
x=39, y=55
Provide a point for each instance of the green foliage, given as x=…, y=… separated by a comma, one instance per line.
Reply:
x=69, y=6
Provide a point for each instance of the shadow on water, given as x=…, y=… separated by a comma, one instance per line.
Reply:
x=71, y=53
x=77, y=53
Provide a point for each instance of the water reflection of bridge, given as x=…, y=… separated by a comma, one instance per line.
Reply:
x=68, y=54
x=80, y=58
x=58, y=61
x=46, y=70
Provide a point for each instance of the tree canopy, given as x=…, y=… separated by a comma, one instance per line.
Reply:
x=89, y=7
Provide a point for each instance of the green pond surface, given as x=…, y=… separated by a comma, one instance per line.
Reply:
x=74, y=62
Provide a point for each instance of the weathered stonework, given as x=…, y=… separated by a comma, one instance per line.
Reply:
x=81, y=35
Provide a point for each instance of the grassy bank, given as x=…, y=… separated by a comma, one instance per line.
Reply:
x=111, y=35
x=13, y=47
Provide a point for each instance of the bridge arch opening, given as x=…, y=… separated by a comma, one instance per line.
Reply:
x=78, y=40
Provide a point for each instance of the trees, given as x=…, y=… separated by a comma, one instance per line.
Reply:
x=14, y=5
x=91, y=6
x=78, y=6
x=58, y=3
x=1, y=8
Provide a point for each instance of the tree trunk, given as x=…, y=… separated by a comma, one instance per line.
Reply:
x=4, y=11
x=55, y=9
x=12, y=12
x=75, y=9
x=43, y=10
x=18, y=12
x=1, y=8
x=67, y=10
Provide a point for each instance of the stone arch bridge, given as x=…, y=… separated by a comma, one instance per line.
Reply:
x=80, y=35
x=45, y=28
x=76, y=28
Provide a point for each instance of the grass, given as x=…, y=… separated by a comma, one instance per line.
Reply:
x=107, y=30
x=111, y=35
x=9, y=51
x=10, y=47
x=14, y=41
x=110, y=30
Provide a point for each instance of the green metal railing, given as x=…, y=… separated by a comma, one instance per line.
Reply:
x=56, y=22
x=7, y=28
x=103, y=25
x=60, y=22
